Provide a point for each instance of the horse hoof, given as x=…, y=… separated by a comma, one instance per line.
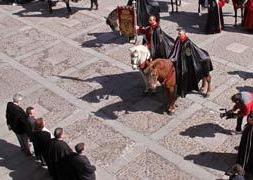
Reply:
x=170, y=113
x=145, y=93
x=207, y=95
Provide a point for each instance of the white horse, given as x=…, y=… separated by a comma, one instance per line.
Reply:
x=140, y=58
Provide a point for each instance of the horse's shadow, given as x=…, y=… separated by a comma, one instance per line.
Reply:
x=127, y=89
x=191, y=22
x=213, y=160
x=40, y=9
x=104, y=38
x=205, y=130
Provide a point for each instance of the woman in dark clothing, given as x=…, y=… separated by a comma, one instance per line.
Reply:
x=215, y=22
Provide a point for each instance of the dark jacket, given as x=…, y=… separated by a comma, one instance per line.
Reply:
x=40, y=141
x=76, y=167
x=16, y=118
x=57, y=149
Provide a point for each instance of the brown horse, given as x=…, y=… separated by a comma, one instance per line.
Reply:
x=163, y=71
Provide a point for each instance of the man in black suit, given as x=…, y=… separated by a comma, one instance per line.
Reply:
x=17, y=122
x=57, y=150
x=77, y=166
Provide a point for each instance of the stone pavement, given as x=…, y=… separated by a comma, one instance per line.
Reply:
x=77, y=74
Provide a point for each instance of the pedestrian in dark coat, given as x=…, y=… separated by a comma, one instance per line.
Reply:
x=77, y=166
x=57, y=150
x=40, y=141
x=17, y=122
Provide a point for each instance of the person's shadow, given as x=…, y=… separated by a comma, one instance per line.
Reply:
x=242, y=74
x=214, y=160
x=14, y=160
x=205, y=130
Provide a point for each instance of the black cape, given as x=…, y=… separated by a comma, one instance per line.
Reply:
x=161, y=44
x=76, y=167
x=215, y=21
x=40, y=141
x=57, y=150
x=145, y=8
x=16, y=118
x=245, y=152
x=192, y=64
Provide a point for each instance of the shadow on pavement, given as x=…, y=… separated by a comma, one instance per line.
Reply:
x=191, y=22
x=18, y=164
x=205, y=130
x=127, y=88
x=245, y=88
x=242, y=74
x=213, y=160
x=40, y=9
x=103, y=39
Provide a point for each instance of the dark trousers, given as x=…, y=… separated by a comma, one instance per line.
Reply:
x=92, y=2
x=24, y=143
x=239, y=124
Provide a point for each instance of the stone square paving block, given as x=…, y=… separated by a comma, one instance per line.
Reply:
x=105, y=144
x=55, y=60
x=24, y=42
x=57, y=108
x=150, y=165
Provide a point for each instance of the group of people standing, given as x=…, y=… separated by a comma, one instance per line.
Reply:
x=50, y=150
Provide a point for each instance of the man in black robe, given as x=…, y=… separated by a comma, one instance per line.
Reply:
x=17, y=122
x=245, y=152
x=77, y=166
x=57, y=150
x=158, y=42
x=145, y=9
x=192, y=64
x=215, y=21
x=40, y=141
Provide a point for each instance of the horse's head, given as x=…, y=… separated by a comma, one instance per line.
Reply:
x=139, y=54
x=152, y=74
x=112, y=20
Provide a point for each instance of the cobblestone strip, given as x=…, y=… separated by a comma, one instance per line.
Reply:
x=176, y=121
x=37, y=50
x=182, y=164
x=128, y=155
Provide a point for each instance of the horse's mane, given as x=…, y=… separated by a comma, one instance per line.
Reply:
x=143, y=52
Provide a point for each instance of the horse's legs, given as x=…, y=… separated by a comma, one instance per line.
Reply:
x=242, y=14
x=146, y=83
x=50, y=5
x=176, y=5
x=203, y=86
x=235, y=16
x=171, y=92
x=68, y=7
x=172, y=6
x=208, y=78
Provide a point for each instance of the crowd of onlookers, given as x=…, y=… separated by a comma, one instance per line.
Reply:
x=49, y=149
